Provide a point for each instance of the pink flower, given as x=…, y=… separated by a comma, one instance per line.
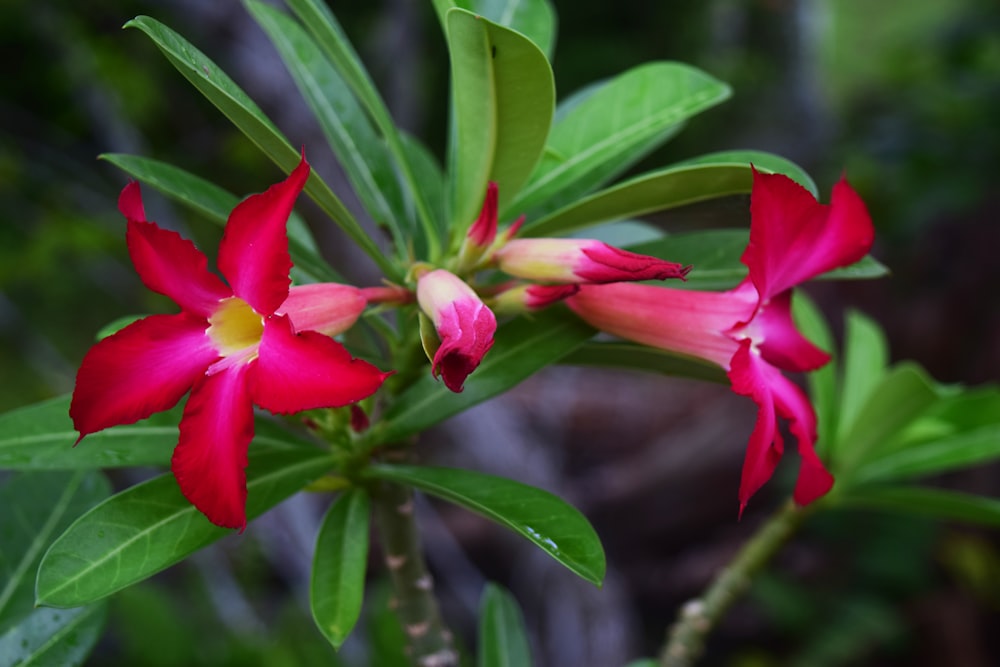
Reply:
x=253, y=342
x=580, y=261
x=748, y=330
x=465, y=326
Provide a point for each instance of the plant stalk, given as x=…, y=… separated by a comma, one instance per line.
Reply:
x=686, y=637
x=429, y=642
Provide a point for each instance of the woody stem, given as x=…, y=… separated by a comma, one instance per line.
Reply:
x=429, y=643
x=686, y=637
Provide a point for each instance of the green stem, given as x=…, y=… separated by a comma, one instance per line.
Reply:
x=686, y=637
x=429, y=643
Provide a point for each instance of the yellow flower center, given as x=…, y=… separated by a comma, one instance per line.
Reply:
x=235, y=326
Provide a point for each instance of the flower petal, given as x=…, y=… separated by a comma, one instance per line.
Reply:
x=466, y=331
x=253, y=253
x=780, y=342
x=211, y=455
x=484, y=229
x=776, y=396
x=144, y=368
x=167, y=263
x=329, y=308
x=307, y=370
x=464, y=325
x=794, y=238
x=749, y=377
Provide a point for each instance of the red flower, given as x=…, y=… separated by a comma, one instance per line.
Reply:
x=464, y=325
x=254, y=342
x=748, y=330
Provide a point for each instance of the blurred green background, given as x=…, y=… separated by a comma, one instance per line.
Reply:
x=903, y=95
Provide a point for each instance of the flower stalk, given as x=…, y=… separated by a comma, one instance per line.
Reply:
x=686, y=637
x=428, y=641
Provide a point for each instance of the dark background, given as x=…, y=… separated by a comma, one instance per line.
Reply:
x=903, y=95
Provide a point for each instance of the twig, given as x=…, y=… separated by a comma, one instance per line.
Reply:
x=429, y=643
x=686, y=637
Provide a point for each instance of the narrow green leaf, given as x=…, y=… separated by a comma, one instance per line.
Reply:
x=151, y=526
x=116, y=325
x=523, y=346
x=36, y=508
x=230, y=99
x=504, y=97
x=48, y=637
x=823, y=381
x=614, y=127
x=503, y=641
x=643, y=358
x=317, y=18
x=934, y=503
x=553, y=525
x=761, y=160
x=715, y=255
x=864, y=365
x=978, y=446
x=361, y=152
x=902, y=396
x=215, y=204
x=707, y=177
x=337, y=587
x=428, y=179
x=41, y=437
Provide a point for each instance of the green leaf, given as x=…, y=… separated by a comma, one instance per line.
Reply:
x=903, y=395
x=215, y=204
x=523, y=346
x=865, y=360
x=230, y=99
x=612, y=128
x=502, y=638
x=36, y=508
x=763, y=161
x=643, y=358
x=361, y=152
x=823, y=381
x=41, y=437
x=535, y=19
x=708, y=177
x=151, y=526
x=964, y=449
x=428, y=180
x=116, y=325
x=61, y=637
x=553, y=525
x=934, y=503
x=325, y=29
x=337, y=587
x=504, y=97
x=715, y=255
